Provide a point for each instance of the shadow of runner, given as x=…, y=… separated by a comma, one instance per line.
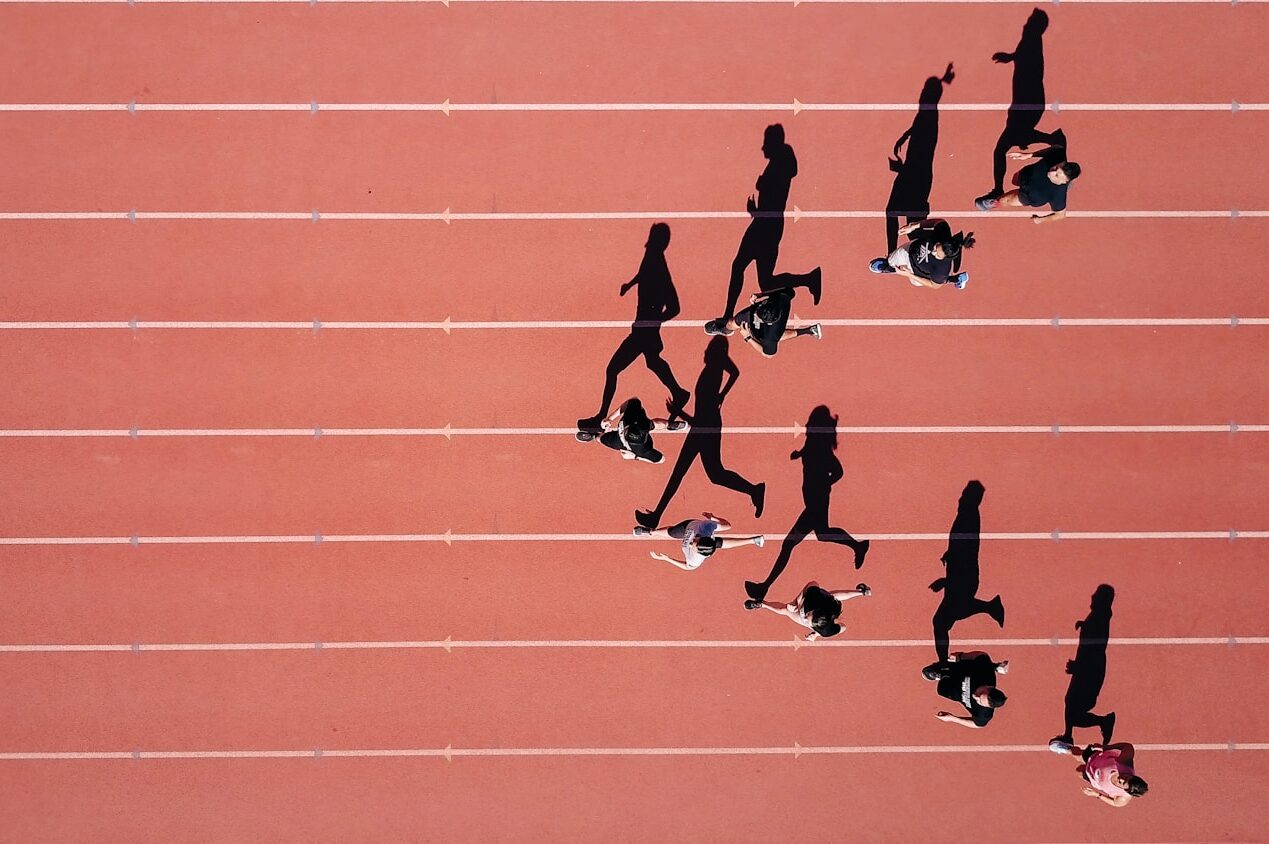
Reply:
x=914, y=168
x=705, y=438
x=820, y=471
x=1088, y=669
x=657, y=302
x=960, y=583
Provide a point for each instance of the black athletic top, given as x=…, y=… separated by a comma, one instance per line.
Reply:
x=921, y=254
x=636, y=428
x=1036, y=189
x=768, y=334
x=962, y=677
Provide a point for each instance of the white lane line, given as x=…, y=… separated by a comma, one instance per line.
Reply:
x=448, y=325
x=449, y=216
x=450, y=538
x=449, y=645
x=449, y=107
x=794, y=3
x=450, y=752
x=449, y=432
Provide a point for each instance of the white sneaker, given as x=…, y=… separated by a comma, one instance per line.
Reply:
x=759, y=541
x=816, y=331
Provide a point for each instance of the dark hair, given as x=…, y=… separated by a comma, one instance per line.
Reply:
x=1071, y=169
x=706, y=545
x=768, y=310
x=1136, y=786
x=825, y=626
x=996, y=698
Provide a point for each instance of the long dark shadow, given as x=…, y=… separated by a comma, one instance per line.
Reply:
x=656, y=302
x=705, y=438
x=959, y=584
x=1088, y=669
x=914, y=167
x=820, y=471
x=1029, y=102
x=760, y=244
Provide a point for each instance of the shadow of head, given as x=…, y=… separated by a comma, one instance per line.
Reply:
x=972, y=494
x=821, y=430
x=658, y=237
x=772, y=139
x=1103, y=597
x=1036, y=24
x=716, y=351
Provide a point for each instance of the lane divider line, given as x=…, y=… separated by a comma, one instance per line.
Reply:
x=449, y=645
x=449, y=752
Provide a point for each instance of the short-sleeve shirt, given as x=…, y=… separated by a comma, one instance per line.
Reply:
x=962, y=678
x=635, y=419
x=1036, y=189
x=921, y=252
x=1098, y=768
x=769, y=334
x=695, y=528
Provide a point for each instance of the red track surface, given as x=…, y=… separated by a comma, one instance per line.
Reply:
x=467, y=696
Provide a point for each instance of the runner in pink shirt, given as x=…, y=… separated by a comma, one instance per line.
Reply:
x=1108, y=771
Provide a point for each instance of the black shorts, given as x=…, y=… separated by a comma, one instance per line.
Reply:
x=679, y=531
x=643, y=450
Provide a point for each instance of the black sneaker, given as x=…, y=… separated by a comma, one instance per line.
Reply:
x=880, y=265
x=753, y=605
x=642, y=531
x=717, y=327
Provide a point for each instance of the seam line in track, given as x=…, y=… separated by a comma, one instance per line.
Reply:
x=449, y=432
x=448, y=325
x=450, y=752
x=448, y=216
x=795, y=106
x=449, y=645
x=449, y=537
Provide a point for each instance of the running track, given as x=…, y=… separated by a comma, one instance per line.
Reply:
x=242, y=615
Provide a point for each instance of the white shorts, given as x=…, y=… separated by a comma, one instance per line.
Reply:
x=900, y=259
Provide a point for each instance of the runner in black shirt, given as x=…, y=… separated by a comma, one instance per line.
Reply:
x=764, y=323
x=815, y=608
x=632, y=434
x=932, y=256
x=970, y=680
x=1043, y=182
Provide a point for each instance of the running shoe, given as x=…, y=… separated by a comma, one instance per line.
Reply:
x=960, y=280
x=642, y=531
x=816, y=331
x=1061, y=745
x=987, y=203
x=880, y=265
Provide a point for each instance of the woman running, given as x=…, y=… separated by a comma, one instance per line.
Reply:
x=762, y=325
x=629, y=431
x=1041, y=183
x=1107, y=769
x=699, y=538
x=932, y=256
x=815, y=608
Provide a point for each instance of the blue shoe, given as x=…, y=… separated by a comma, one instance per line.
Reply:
x=960, y=280
x=879, y=265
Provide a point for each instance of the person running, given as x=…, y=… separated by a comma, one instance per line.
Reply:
x=821, y=470
x=1108, y=770
x=764, y=323
x=761, y=242
x=1027, y=104
x=970, y=680
x=1043, y=182
x=815, y=608
x=700, y=540
x=629, y=431
x=657, y=302
x=932, y=256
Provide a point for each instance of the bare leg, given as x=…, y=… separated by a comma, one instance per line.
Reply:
x=728, y=542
